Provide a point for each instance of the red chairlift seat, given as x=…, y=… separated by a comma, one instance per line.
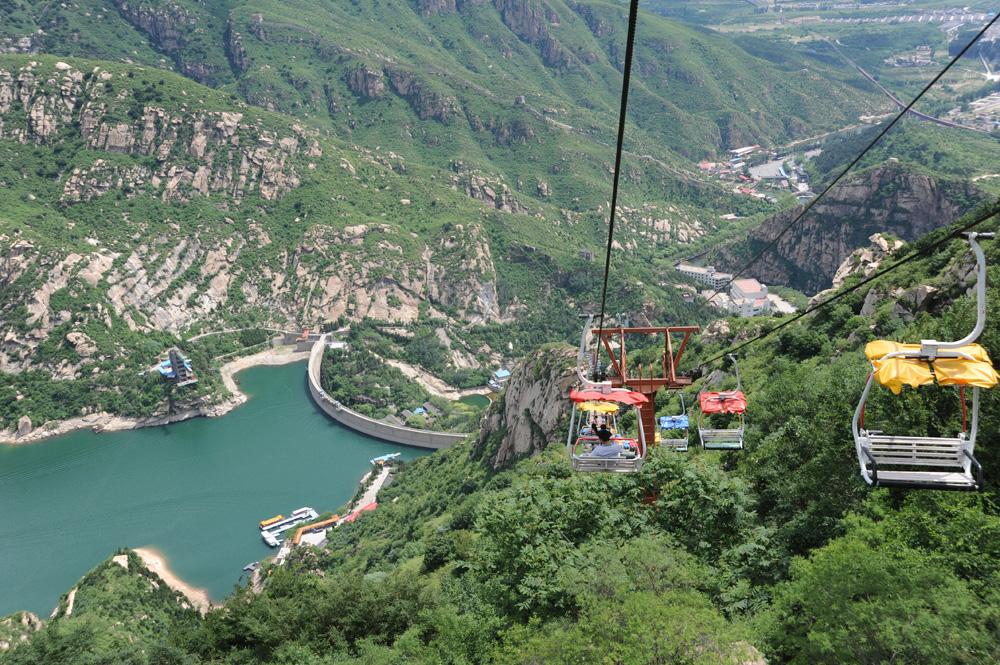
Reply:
x=723, y=402
x=620, y=464
x=730, y=402
x=615, y=395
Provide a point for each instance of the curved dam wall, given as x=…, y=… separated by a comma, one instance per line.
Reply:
x=408, y=436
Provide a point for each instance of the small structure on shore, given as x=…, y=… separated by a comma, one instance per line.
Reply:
x=177, y=369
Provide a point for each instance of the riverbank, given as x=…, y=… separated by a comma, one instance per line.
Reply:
x=109, y=422
x=156, y=562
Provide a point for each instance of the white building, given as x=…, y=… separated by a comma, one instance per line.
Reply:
x=706, y=275
x=749, y=298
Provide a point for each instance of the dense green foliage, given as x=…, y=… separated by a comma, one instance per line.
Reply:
x=366, y=383
x=699, y=558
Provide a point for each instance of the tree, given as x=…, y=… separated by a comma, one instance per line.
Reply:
x=850, y=602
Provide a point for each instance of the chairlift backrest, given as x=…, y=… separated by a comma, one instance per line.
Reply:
x=928, y=462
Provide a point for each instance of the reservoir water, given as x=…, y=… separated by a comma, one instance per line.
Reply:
x=194, y=490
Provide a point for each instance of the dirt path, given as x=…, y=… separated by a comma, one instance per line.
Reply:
x=372, y=492
x=433, y=384
x=156, y=562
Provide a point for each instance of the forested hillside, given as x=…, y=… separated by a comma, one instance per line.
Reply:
x=346, y=163
x=431, y=179
x=482, y=554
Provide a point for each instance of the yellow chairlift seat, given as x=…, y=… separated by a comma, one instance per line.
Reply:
x=971, y=367
x=598, y=407
x=928, y=462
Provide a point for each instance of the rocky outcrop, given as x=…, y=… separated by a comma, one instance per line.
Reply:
x=82, y=344
x=530, y=22
x=195, y=152
x=866, y=260
x=531, y=411
x=235, y=50
x=888, y=198
x=172, y=28
x=23, y=426
x=425, y=102
x=18, y=628
x=490, y=190
x=366, y=82
x=863, y=261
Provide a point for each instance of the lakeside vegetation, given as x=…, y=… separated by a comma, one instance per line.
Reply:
x=367, y=384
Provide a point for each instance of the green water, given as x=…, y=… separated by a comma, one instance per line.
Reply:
x=478, y=401
x=193, y=490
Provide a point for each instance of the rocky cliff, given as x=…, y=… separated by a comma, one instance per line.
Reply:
x=149, y=206
x=193, y=151
x=889, y=198
x=184, y=32
x=533, y=406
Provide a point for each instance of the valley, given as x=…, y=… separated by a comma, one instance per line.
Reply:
x=416, y=193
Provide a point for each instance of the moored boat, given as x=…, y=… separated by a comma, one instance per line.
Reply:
x=382, y=459
x=264, y=524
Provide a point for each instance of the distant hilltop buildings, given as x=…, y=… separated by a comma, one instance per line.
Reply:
x=746, y=296
x=707, y=275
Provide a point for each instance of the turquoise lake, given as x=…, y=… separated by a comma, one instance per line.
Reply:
x=194, y=490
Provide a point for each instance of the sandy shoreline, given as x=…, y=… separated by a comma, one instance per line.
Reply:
x=107, y=422
x=157, y=562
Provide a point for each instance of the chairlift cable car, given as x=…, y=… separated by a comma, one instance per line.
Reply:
x=617, y=459
x=732, y=402
x=674, y=430
x=927, y=462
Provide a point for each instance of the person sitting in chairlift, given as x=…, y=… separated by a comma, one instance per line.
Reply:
x=606, y=448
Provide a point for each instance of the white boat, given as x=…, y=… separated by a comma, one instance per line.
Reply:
x=272, y=532
x=382, y=459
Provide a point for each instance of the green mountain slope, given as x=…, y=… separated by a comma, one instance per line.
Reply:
x=143, y=207
x=519, y=88
x=495, y=552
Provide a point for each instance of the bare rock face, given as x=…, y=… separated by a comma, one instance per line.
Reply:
x=532, y=410
x=863, y=261
x=367, y=83
x=170, y=26
x=425, y=102
x=866, y=260
x=913, y=301
x=24, y=426
x=530, y=22
x=82, y=344
x=197, y=153
x=490, y=190
x=889, y=199
x=525, y=18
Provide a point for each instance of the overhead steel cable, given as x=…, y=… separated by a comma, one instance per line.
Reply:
x=809, y=206
x=923, y=251
x=629, y=48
